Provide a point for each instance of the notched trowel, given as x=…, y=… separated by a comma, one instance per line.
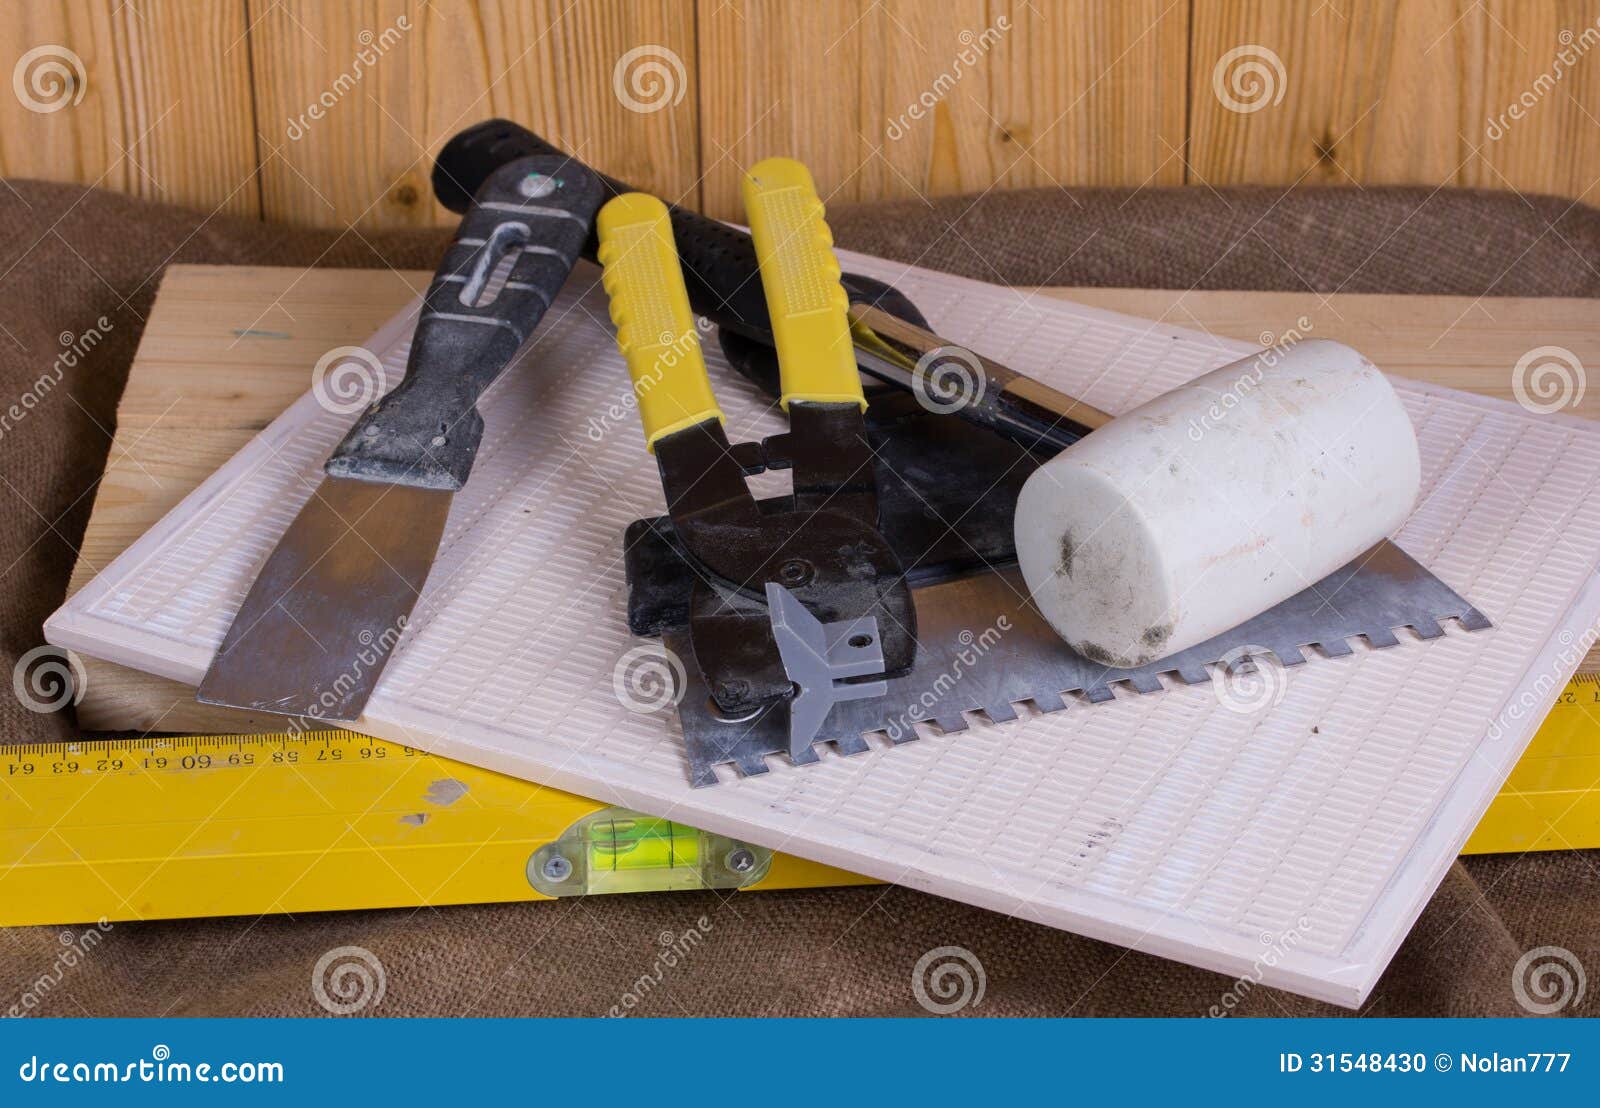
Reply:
x=329, y=605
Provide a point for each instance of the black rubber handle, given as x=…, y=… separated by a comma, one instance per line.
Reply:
x=719, y=261
x=426, y=432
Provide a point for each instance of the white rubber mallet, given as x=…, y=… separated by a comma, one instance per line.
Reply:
x=1213, y=502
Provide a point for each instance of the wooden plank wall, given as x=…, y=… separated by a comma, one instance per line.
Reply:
x=327, y=113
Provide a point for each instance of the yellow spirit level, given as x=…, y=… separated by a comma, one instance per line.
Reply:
x=226, y=825
x=254, y=824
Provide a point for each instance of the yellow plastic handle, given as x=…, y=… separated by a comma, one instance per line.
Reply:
x=808, y=306
x=655, y=328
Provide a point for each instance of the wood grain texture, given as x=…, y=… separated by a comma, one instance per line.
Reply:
x=1416, y=92
x=150, y=98
x=893, y=98
x=339, y=107
x=354, y=100
x=181, y=417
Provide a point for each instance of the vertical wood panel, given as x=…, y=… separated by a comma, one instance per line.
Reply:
x=882, y=97
x=1377, y=92
x=1075, y=92
x=546, y=63
x=165, y=99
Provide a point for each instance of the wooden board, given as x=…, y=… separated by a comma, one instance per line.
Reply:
x=227, y=349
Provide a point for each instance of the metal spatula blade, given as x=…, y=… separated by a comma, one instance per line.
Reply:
x=329, y=605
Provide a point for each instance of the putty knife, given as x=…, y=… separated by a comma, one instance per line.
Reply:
x=333, y=598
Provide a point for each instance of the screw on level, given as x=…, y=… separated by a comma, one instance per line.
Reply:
x=741, y=860
x=557, y=868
